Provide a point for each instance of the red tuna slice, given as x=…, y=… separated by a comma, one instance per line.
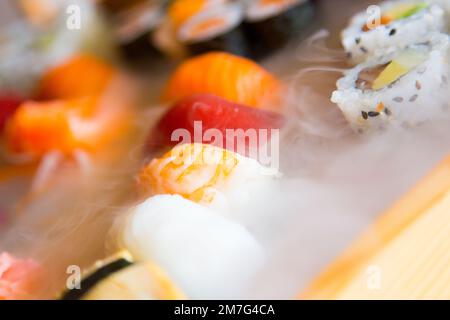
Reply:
x=197, y=114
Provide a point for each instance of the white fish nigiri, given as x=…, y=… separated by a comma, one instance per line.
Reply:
x=205, y=254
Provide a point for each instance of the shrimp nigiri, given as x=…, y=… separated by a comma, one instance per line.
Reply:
x=18, y=278
x=207, y=175
x=216, y=113
x=234, y=78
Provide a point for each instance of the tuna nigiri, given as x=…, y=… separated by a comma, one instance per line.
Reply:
x=234, y=78
x=18, y=278
x=212, y=112
x=80, y=76
x=207, y=175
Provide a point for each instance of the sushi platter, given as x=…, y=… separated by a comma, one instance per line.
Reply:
x=224, y=149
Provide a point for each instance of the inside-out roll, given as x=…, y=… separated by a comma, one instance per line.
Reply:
x=405, y=88
x=391, y=26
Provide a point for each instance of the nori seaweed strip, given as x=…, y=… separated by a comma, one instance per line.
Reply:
x=232, y=41
x=272, y=33
x=95, y=278
x=140, y=49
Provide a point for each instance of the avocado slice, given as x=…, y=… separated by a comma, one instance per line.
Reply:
x=401, y=65
x=403, y=11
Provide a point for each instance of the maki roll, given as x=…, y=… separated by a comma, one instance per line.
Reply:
x=120, y=278
x=270, y=24
x=135, y=29
x=215, y=29
x=234, y=78
x=208, y=175
x=401, y=24
x=207, y=255
x=401, y=89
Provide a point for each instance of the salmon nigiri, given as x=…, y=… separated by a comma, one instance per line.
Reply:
x=38, y=128
x=207, y=175
x=234, y=78
x=215, y=113
x=80, y=76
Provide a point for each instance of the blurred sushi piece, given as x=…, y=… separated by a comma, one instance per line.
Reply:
x=207, y=255
x=120, y=278
x=180, y=11
x=402, y=23
x=209, y=175
x=234, y=78
x=270, y=24
x=64, y=126
x=76, y=111
x=19, y=278
x=38, y=38
x=134, y=29
x=216, y=29
x=403, y=89
x=211, y=112
x=79, y=76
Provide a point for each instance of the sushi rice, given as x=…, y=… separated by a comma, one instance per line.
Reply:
x=362, y=45
x=418, y=95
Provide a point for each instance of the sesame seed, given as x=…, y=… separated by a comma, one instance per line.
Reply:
x=418, y=85
x=357, y=40
x=387, y=111
x=413, y=98
x=392, y=32
x=364, y=115
x=363, y=49
x=398, y=99
x=373, y=114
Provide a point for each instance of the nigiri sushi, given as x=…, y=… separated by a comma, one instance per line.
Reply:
x=233, y=78
x=208, y=175
x=38, y=128
x=19, y=278
x=120, y=278
x=402, y=23
x=403, y=89
x=207, y=255
x=211, y=112
x=80, y=76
